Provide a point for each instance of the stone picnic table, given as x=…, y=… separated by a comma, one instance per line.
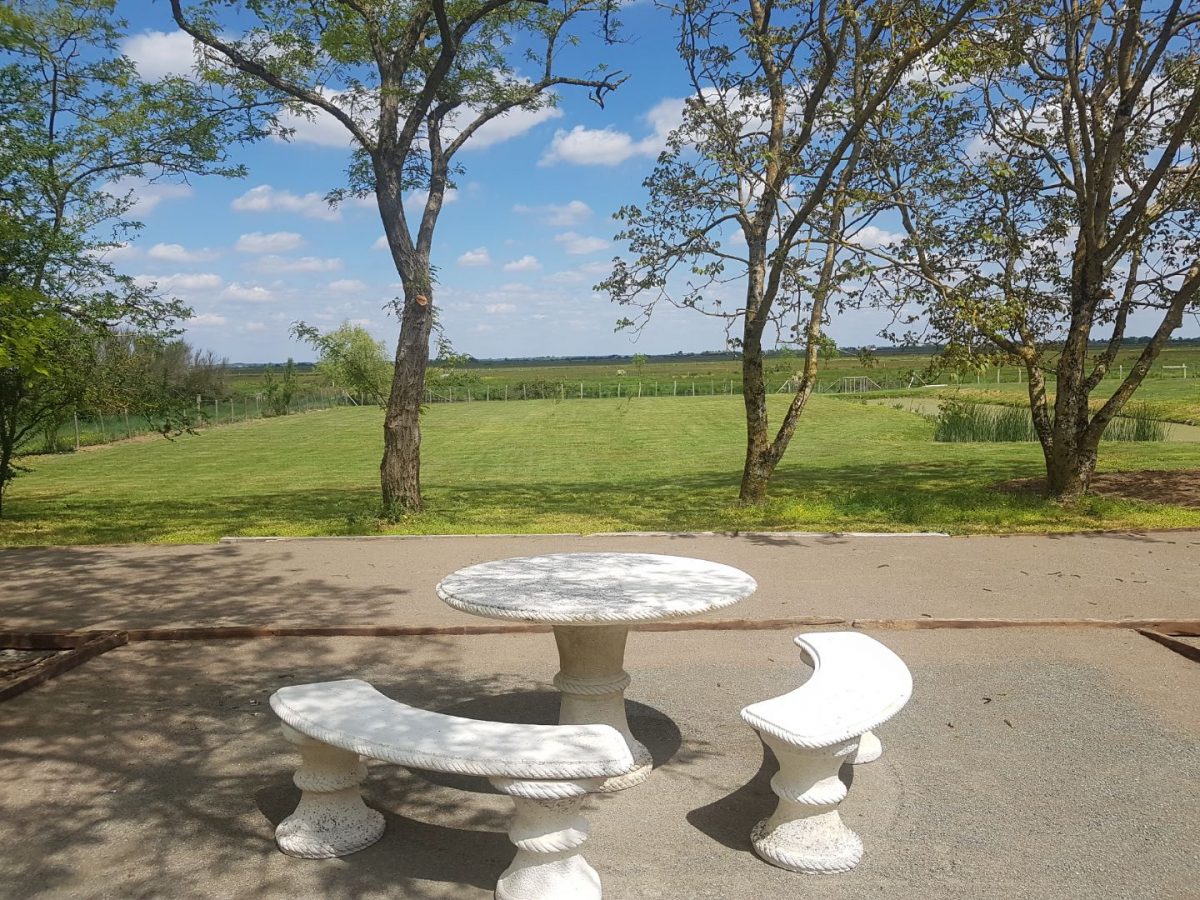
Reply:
x=591, y=599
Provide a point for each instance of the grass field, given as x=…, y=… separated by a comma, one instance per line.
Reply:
x=546, y=466
x=662, y=376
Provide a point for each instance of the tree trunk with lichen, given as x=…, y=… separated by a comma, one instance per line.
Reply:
x=400, y=470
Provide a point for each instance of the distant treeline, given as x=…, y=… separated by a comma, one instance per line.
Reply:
x=471, y=362
x=728, y=355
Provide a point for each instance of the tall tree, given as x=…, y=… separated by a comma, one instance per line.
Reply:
x=1064, y=204
x=770, y=150
x=351, y=359
x=75, y=119
x=411, y=83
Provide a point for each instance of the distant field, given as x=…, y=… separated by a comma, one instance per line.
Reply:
x=546, y=466
x=705, y=377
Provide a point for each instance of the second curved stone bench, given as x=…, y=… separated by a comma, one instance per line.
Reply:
x=547, y=770
x=857, y=684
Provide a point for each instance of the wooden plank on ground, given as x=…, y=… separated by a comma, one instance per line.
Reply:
x=1183, y=648
x=52, y=667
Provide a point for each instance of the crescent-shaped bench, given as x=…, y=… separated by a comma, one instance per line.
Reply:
x=547, y=770
x=857, y=684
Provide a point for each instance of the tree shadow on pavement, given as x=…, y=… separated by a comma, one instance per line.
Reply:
x=158, y=770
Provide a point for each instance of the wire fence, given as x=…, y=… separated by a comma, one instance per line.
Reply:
x=88, y=428
x=681, y=387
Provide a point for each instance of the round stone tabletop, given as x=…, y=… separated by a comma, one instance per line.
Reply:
x=594, y=588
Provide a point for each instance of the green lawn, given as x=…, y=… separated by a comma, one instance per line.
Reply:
x=543, y=466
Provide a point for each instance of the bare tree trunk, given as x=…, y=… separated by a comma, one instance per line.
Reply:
x=756, y=473
x=1070, y=465
x=400, y=470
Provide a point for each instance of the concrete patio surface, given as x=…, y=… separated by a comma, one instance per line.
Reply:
x=1031, y=763
x=390, y=581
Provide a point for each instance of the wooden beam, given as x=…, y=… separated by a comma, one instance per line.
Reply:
x=51, y=667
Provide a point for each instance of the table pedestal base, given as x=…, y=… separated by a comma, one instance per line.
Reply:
x=592, y=679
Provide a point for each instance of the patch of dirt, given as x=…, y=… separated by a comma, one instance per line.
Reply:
x=1175, y=487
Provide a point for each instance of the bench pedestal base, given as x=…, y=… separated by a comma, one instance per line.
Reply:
x=331, y=818
x=548, y=830
x=806, y=833
x=869, y=749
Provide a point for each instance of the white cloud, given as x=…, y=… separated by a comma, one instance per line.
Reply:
x=381, y=243
x=509, y=126
x=580, y=244
x=347, y=286
x=477, y=257
x=524, y=264
x=253, y=293
x=496, y=309
x=146, y=195
x=274, y=263
x=274, y=242
x=254, y=327
x=158, y=54
x=265, y=198
x=116, y=253
x=177, y=253
x=663, y=117
x=584, y=146
x=182, y=281
x=322, y=129
x=207, y=320
x=870, y=237
x=562, y=215
x=589, y=147
x=588, y=272
x=416, y=200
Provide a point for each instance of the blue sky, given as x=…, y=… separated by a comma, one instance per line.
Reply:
x=527, y=233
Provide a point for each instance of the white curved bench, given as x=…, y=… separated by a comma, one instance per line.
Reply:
x=857, y=684
x=547, y=770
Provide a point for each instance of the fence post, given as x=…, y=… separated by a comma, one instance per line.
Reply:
x=674, y=388
x=506, y=392
x=487, y=392
x=128, y=430
x=581, y=390
x=103, y=436
x=451, y=393
x=693, y=388
x=76, y=415
x=639, y=390
x=618, y=390
x=562, y=391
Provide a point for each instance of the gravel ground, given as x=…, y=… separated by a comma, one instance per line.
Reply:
x=390, y=581
x=1030, y=763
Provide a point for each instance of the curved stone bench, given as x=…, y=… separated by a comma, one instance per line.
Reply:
x=547, y=770
x=857, y=684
